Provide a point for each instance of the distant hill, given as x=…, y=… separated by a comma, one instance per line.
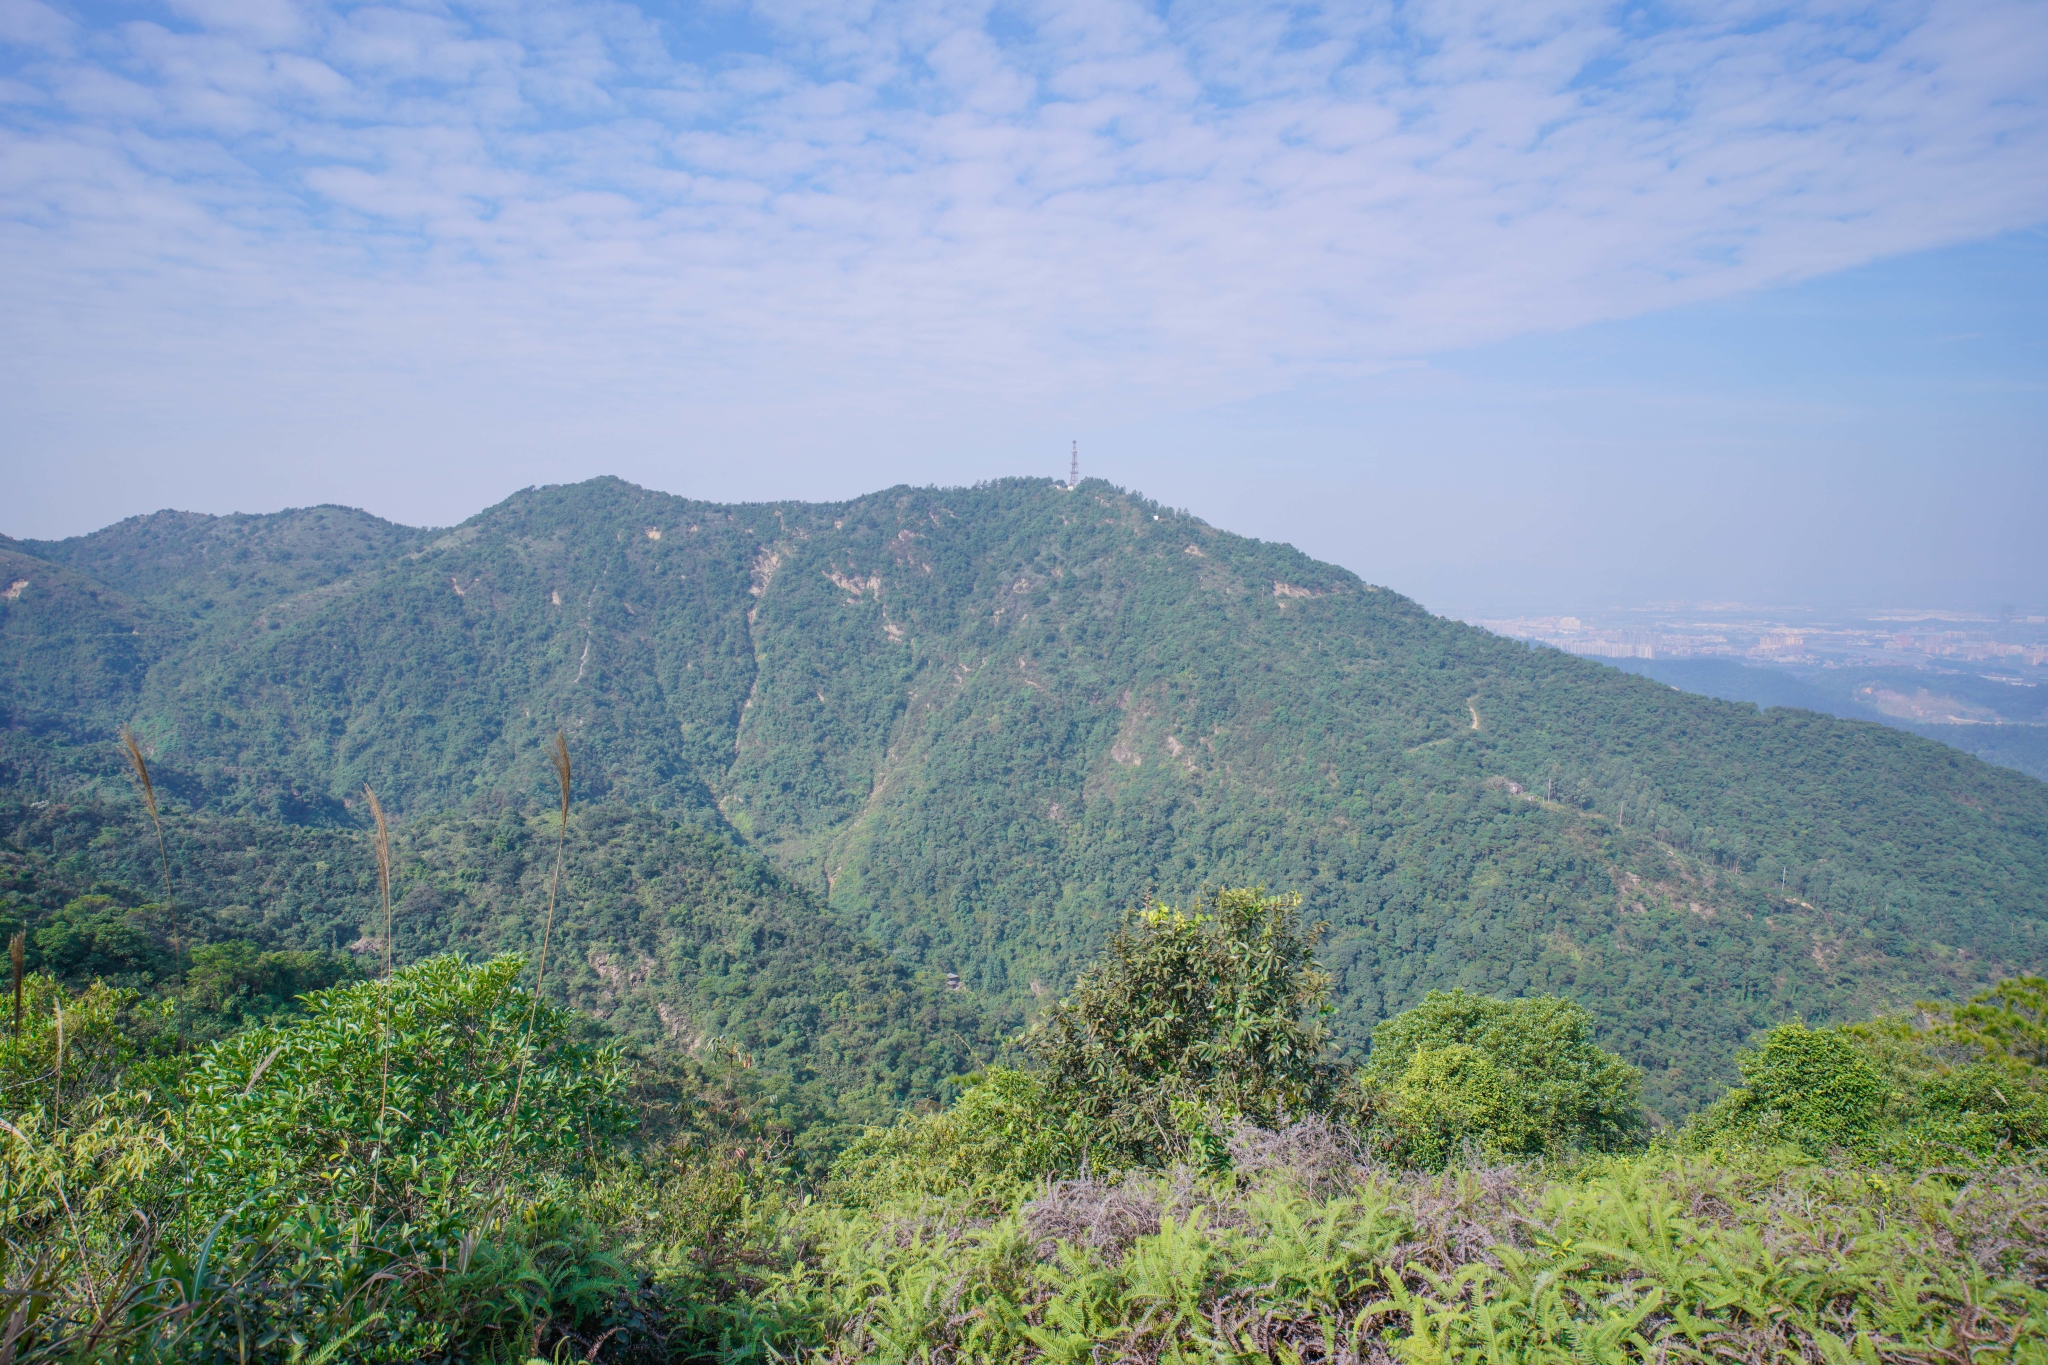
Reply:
x=1998, y=722
x=979, y=723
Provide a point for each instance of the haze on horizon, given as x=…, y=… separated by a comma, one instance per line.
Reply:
x=1514, y=309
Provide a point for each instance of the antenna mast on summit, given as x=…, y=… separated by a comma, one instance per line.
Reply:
x=1074, y=469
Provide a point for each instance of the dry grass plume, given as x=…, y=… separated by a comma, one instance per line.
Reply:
x=131, y=749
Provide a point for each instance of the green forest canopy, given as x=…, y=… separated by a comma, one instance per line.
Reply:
x=975, y=725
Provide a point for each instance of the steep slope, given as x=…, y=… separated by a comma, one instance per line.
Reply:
x=983, y=721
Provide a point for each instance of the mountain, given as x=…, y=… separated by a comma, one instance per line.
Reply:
x=976, y=724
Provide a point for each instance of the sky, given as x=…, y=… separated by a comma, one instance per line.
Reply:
x=1509, y=306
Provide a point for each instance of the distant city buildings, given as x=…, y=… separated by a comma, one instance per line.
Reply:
x=1791, y=636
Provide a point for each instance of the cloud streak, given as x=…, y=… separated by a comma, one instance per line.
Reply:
x=857, y=207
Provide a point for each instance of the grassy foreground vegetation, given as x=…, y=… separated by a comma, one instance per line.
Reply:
x=441, y=1165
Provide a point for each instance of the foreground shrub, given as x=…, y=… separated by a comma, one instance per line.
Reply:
x=1813, y=1088
x=1218, y=1013
x=358, y=1181
x=719, y=1233
x=1002, y=1136
x=1510, y=1077
x=1946, y=1087
x=320, y=1111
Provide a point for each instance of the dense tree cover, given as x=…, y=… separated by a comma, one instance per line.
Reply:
x=672, y=937
x=981, y=722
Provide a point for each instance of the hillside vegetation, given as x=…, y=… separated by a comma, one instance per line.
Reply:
x=975, y=725
x=676, y=941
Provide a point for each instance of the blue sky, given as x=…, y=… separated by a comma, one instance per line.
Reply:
x=1502, y=304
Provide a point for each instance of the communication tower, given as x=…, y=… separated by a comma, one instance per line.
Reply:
x=1074, y=467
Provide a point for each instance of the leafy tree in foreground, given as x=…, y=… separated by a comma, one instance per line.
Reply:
x=1187, y=1025
x=1221, y=1010
x=1515, y=1077
x=1813, y=1088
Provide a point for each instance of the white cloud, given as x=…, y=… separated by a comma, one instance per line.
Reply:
x=933, y=204
x=31, y=24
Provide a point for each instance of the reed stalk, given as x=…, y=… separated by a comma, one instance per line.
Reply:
x=558, y=757
x=132, y=750
x=383, y=849
x=57, y=1093
x=17, y=949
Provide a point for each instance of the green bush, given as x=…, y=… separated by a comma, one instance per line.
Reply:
x=1006, y=1133
x=397, y=1098
x=1813, y=1088
x=1220, y=1011
x=1454, y=1094
x=117, y=1049
x=1952, y=1086
x=719, y=1233
x=360, y=1178
x=1513, y=1077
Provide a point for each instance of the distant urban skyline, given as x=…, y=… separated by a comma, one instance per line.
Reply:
x=1778, y=635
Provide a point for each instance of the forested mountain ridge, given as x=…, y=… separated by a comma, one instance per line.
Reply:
x=983, y=721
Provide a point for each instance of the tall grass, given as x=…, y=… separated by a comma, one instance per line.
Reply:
x=131, y=749
x=57, y=1089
